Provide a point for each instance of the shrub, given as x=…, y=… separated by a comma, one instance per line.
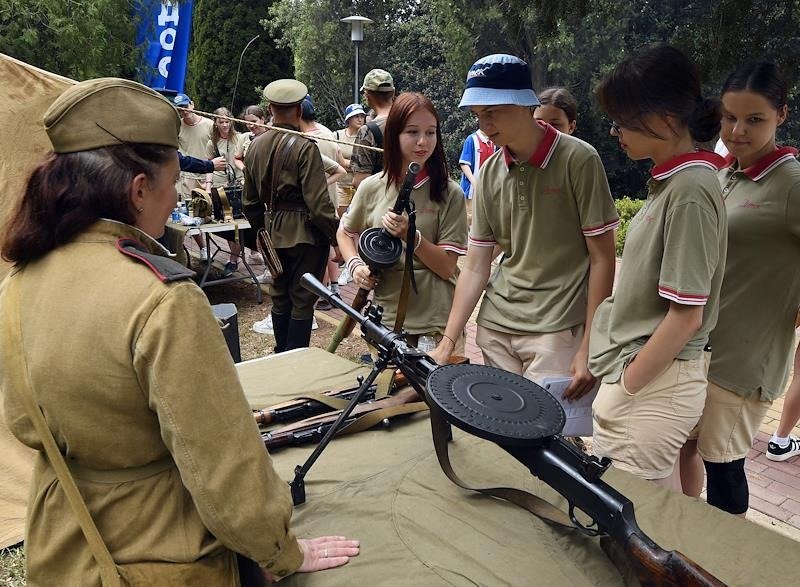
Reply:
x=627, y=209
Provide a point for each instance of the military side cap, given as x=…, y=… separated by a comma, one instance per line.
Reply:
x=378, y=80
x=110, y=111
x=285, y=92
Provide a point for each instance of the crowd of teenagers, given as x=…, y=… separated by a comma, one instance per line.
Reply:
x=691, y=347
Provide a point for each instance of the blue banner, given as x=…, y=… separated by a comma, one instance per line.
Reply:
x=164, y=33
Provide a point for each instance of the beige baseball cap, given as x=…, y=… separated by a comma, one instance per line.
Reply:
x=378, y=80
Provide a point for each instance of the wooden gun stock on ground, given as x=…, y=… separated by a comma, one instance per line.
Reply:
x=305, y=407
x=364, y=416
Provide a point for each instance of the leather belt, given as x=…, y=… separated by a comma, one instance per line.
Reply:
x=288, y=207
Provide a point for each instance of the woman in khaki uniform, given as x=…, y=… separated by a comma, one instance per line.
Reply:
x=104, y=335
x=412, y=134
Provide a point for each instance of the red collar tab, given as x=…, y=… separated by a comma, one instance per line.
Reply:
x=707, y=159
x=544, y=152
x=422, y=177
x=768, y=162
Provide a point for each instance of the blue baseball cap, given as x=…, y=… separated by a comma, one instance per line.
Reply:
x=181, y=100
x=353, y=110
x=499, y=79
x=308, y=112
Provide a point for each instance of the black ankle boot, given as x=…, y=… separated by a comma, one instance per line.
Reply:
x=299, y=334
x=280, y=326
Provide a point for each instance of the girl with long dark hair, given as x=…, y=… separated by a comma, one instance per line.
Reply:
x=413, y=133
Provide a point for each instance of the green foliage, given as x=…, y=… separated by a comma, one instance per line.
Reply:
x=627, y=209
x=405, y=39
x=220, y=31
x=80, y=40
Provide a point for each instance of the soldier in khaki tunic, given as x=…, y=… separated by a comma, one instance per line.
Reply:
x=128, y=371
x=754, y=339
x=412, y=134
x=648, y=339
x=300, y=216
x=544, y=200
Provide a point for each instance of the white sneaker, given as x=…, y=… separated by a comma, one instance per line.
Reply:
x=265, y=277
x=344, y=277
x=264, y=326
x=314, y=324
x=203, y=254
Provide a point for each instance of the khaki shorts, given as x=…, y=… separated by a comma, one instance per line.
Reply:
x=729, y=424
x=186, y=184
x=534, y=356
x=644, y=432
x=344, y=195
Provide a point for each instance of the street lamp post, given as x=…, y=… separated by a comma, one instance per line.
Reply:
x=356, y=35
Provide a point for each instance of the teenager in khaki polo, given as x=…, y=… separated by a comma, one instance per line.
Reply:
x=544, y=200
x=412, y=134
x=754, y=339
x=648, y=339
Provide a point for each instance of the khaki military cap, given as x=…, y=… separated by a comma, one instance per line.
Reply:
x=378, y=80
x=285, y=92
x=110, y=111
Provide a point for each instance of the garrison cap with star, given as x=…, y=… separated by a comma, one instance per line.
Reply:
x=285, y=92
x=110, y=111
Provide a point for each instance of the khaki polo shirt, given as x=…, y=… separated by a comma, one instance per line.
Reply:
x=674, y=252
x=192, y=141
x=753, y=342
x=442, y=223
x=540, y=212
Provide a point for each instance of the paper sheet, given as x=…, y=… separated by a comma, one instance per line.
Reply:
x=579, y=412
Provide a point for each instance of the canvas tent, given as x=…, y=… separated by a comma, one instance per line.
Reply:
x=25, y=94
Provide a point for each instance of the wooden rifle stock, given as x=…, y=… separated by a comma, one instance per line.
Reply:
x=305, y=406
x=347, y=324
x=314, y=428
x=655, y=566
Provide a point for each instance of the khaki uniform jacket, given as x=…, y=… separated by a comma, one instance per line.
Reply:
x=129, y=371
x=308, y=216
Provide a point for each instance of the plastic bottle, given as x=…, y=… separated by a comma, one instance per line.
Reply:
x=176, y=215
x=426, y=343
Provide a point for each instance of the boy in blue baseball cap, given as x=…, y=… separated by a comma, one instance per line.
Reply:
x=543, y=201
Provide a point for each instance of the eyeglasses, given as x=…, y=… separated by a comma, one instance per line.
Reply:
x=615, y=127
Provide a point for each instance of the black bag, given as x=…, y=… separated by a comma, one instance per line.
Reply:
x=227, y=202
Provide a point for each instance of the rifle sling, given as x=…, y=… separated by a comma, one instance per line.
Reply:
x=533, y=503
x=11, y=338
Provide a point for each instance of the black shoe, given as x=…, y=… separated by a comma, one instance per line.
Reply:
x=324, y=305
x=229, y=269
x=777, y=453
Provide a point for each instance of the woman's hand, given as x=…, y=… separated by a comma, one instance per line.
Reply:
x=395, y=224
x=363, y=278
x=325, y=552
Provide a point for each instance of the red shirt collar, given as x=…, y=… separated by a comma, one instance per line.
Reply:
x=767, y=163
x=422, y=177
x=706, y=159
x=541, y=157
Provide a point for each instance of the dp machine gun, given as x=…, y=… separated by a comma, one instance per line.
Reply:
x=526, y=421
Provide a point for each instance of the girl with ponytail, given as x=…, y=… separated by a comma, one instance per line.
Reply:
x=754, y=338
x=649, y=340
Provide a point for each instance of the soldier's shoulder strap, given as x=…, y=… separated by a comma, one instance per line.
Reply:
x=167, y=270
